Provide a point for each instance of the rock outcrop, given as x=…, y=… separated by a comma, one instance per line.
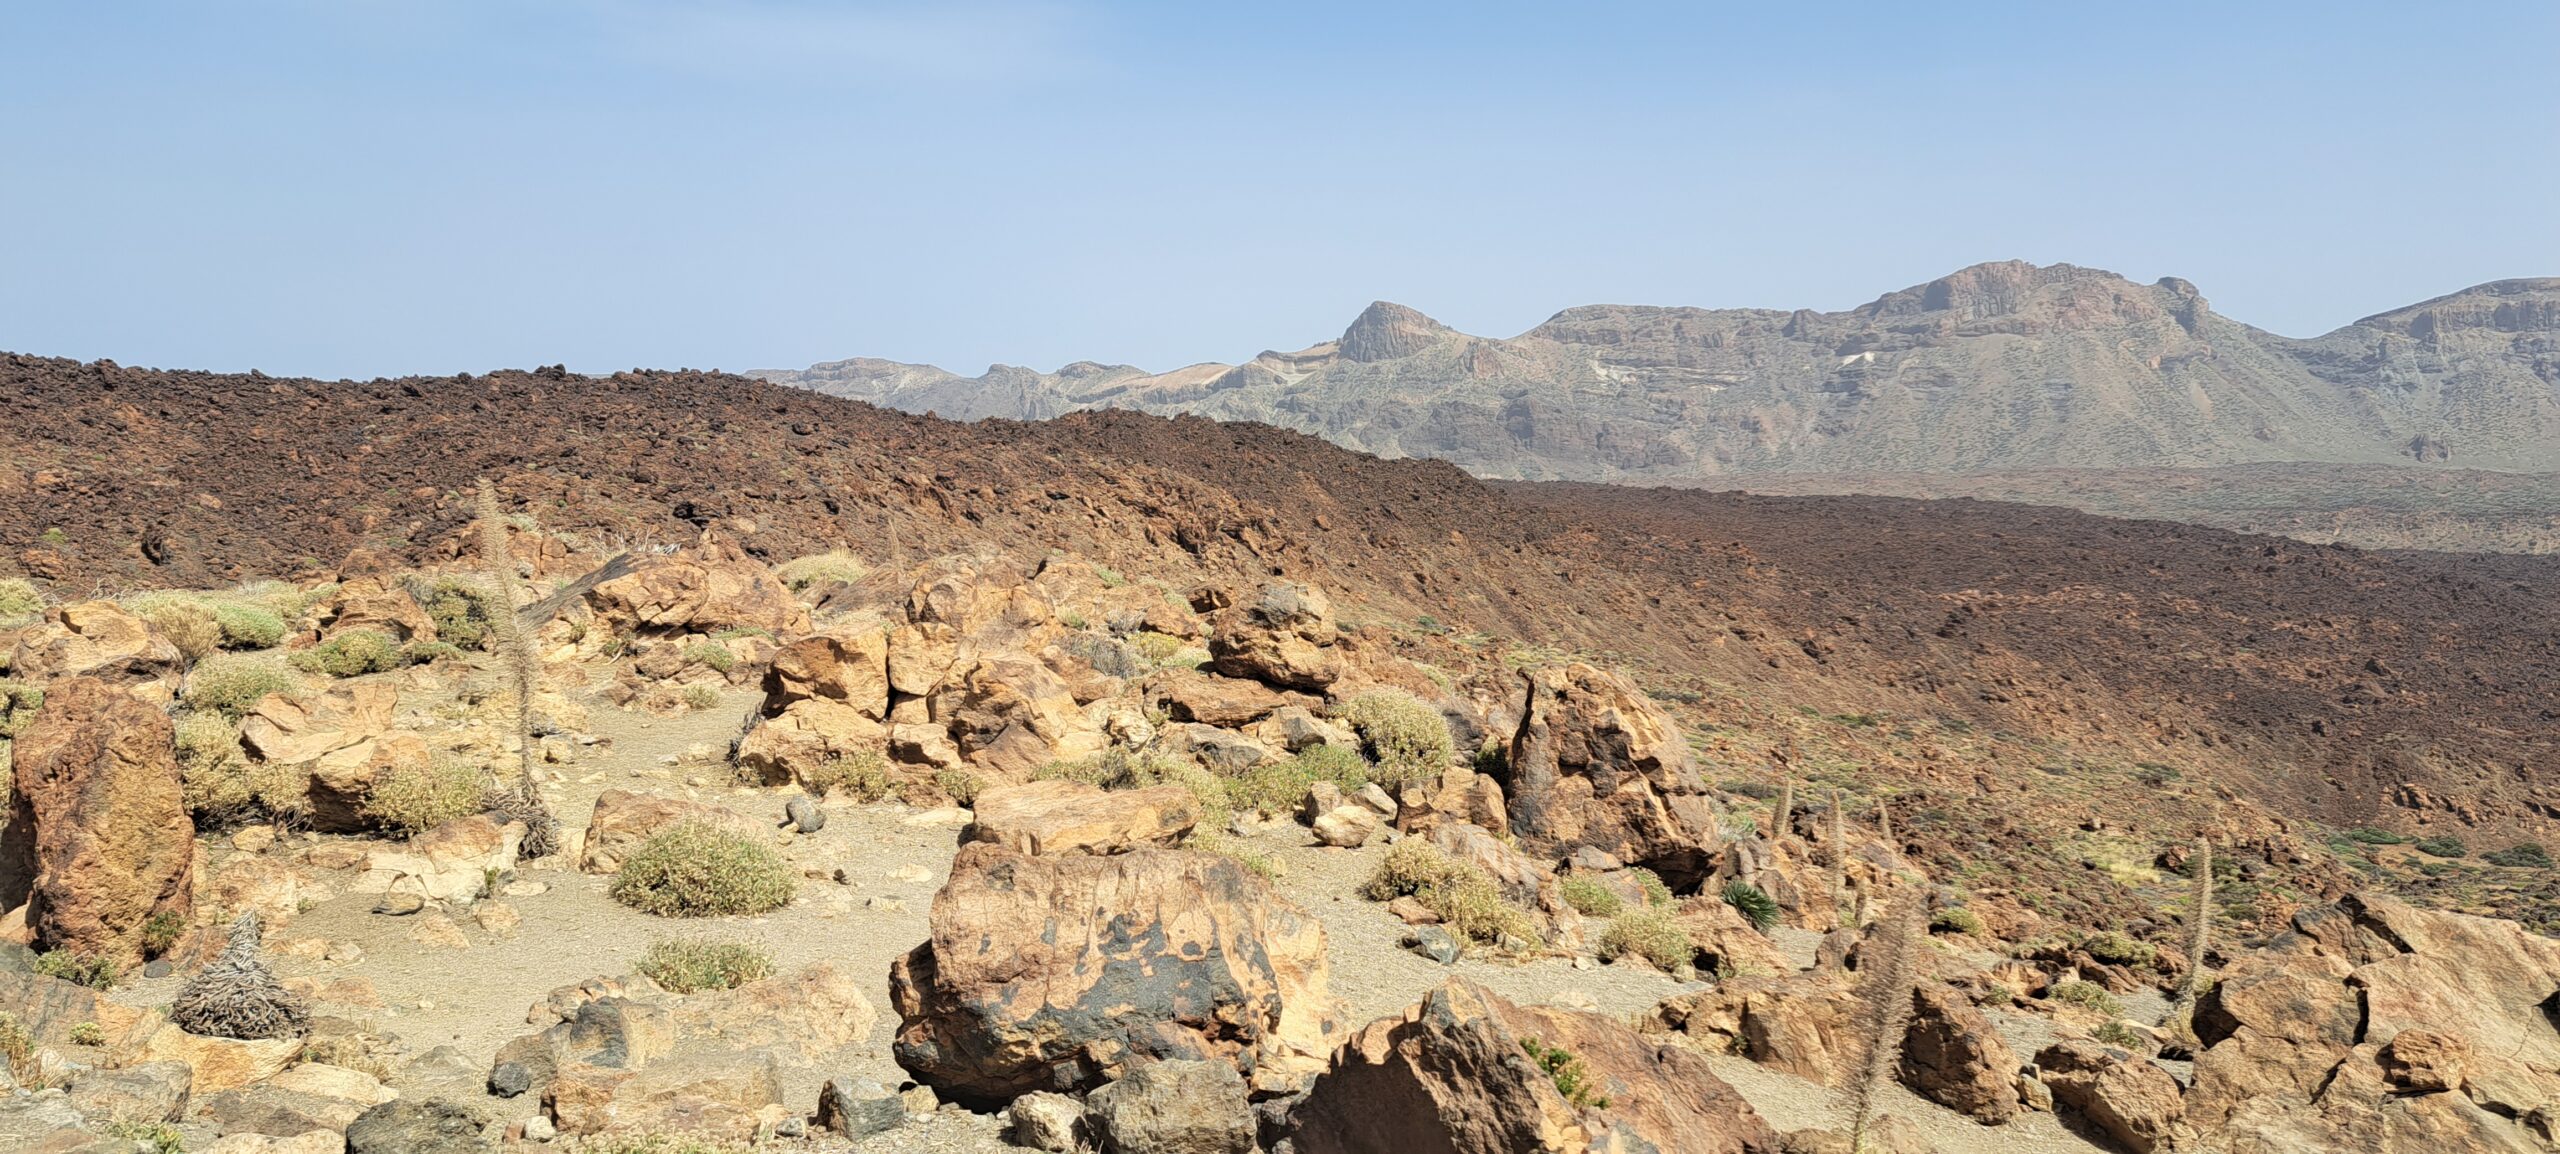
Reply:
x=1060, y=816
x=98, y=793
x=2373, y=1024
x=1060, y=973
x=707, y=588
x=1596, y=764
x=1468, y=1073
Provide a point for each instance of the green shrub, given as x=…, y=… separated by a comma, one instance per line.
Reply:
x=19, y=702
x=2123, y=1037
x=862, y=776
x=2445, y=845
x=1755, y=904
x=1157, y=648
x=231, y=684
x=1279, y=787
x=1591, y=899
x=699, y=870
x=960, y=785
x=429, y=652
x=2371, y=836
x=350, y=654
x=2522, y=855
x=1656, y=894
x=184, y=620
x=18, y=600
x=711, y=654
x=160, y=931
x=1955, y=920
x=1654, y=935
x=412, y=799
x=701, y=697
x=2117, y=949
x=1571, y=1077
x=460, y=610
x=1407, y=738
x=88, y=1034
x=1467, y=899
x=686, y=965
x=155, y=1137
x=2088, y=995
x=94, y=972
x=804, y=573
x=248, y=626
x=17, y=1046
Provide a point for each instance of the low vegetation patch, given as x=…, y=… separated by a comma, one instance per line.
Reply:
x=1281, y=786
x=802, y=574
x=183, y=619
x=1591, y=899
x=231, y=684
x=2522, y=855
x=2445, y=845
x=156, y=1137
x=18, y=600
x=412, y=799
x=694, y=869
x=2117, y=949
x=701, y=697
x=711, y=655
x=19, y=702
x=1955, y=920
x=1407, y=739
x=862, y=776
x=960, y=785
x=1467, y=899
x=246, y=626
x=1653, y=935
x=1572, y=1079
x=1656, y=894
x=459, y=608
x=353, y=653
x=2087, y=995
x=687, y=965
x=97, y=973
x=1121, y=768
x=1754, y=903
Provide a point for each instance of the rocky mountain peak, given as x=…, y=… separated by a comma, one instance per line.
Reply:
x=1386, y=331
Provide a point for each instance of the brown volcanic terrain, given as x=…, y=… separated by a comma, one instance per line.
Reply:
x=2403, y=690
x=2369, y=506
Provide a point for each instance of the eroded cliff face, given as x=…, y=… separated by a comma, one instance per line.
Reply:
x=1998, y=366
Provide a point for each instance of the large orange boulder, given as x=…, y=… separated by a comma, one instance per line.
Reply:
x=826, y=696
x=1283, y=637
x=1597, y=764
x=705, y=589
x=1010, y=715
x=93, y=639
x=1061, y=973
x=1465, y=1072
x=97, y=777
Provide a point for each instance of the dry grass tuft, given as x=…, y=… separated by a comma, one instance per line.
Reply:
x=237, y=997
x=697, y=870
x=687, y=965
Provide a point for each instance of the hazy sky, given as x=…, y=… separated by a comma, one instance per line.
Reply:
x=364, y=187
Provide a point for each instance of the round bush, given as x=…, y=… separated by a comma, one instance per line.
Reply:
x=350, y=654
x=686, y=965
x=1653, y=935
x=231, y=685
x=248, y=626
x=1408, y=739
x=18, y=599
x=694, y=870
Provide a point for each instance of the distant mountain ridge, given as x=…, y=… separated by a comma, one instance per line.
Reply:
x=2006, y=365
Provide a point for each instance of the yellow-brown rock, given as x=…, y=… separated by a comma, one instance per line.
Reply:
x=1060, y=972
x=1060, y=816
x=113, y=846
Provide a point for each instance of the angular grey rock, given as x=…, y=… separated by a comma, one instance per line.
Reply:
x=1175, y=1107
x=802, y=814
x=403, y=1126
x=858, y=1108
x=1434, y=943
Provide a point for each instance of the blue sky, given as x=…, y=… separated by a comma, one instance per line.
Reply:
x=379, y=187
